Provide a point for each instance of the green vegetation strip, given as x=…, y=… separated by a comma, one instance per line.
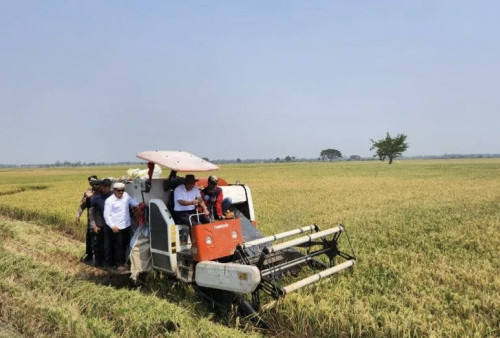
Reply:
x=21, y=189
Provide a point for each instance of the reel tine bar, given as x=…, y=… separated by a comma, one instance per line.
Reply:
x=259, y=241
x=302, y=240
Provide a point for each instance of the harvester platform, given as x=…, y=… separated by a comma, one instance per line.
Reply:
x=282, y=256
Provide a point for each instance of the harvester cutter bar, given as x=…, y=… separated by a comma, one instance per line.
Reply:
x=286, y=259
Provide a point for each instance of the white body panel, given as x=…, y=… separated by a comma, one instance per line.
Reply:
x=137, y=188
x=164, y=251
x=227, y=276
x=240, y=194
x=236, y=192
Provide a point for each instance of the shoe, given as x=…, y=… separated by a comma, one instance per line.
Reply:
x=123, y=269
x=87, y=258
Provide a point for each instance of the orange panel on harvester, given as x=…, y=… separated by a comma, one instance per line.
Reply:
x=216, y=240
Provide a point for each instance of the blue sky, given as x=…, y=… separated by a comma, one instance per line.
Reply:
x=103, y=80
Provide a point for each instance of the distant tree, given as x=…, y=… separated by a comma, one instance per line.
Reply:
x=355, y=158
x=288, y=159
x=277, y=159
x=206, y=159
x=390, y=147
x=238, y=160
x=330, y=154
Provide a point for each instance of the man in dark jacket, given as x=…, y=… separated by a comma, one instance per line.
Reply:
x=97, y=223
x=84, y=204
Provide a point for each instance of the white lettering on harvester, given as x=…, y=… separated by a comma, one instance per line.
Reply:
x=221, y=226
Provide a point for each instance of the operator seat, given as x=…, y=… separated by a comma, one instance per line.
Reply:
x=169, y=186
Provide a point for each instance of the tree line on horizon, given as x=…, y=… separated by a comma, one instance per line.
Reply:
x=387, y=148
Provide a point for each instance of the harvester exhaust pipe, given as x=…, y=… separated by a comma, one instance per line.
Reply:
x=316, y=277
x=302, y=240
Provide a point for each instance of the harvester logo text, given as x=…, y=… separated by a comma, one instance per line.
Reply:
x=221, y=226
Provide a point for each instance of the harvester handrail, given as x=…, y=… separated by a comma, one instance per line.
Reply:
x=197, y=215
x=302, y=240
x=282, y=235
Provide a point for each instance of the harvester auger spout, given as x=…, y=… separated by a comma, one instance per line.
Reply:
x=278, y=261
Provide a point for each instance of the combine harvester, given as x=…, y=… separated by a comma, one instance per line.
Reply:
x=228, y=261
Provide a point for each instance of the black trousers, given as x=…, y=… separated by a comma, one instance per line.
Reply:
x=115, y=246
x=89, y=252
x=182, y=217
x=99, y=247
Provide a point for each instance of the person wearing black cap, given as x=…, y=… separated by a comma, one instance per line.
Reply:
x=214, y=199
x=187, y=198
x=97, y=223
x=84, y=204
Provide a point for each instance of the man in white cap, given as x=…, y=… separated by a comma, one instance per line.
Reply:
x=117, y=217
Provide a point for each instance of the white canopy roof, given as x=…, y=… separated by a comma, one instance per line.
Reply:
x=178, y=160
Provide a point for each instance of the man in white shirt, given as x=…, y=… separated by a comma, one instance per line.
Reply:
x=187, y=198
x=117, y=231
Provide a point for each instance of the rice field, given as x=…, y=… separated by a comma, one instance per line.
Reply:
x=426, y=234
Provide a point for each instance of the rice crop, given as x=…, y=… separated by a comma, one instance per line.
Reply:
x=426, y=234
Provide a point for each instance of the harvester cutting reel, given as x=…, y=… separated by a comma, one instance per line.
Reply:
x=282, y=257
